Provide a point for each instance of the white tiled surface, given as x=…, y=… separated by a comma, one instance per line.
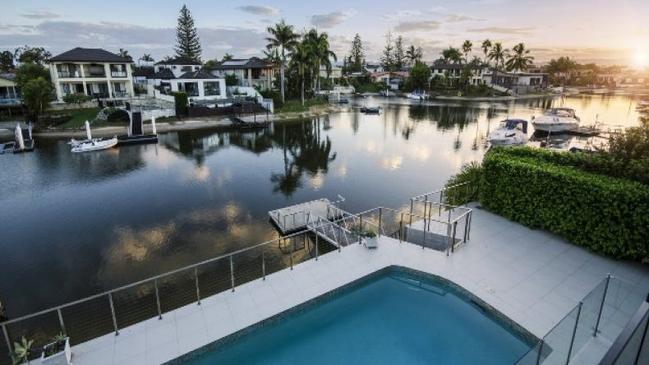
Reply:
x=531, y=276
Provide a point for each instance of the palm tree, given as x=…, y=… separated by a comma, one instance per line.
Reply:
x=452, y=55
x=414, y=54
x=319, y=44
x=302, y=58
x=497, y=54
x=124, y=53
x=227, y=57
x=520, y=60
x=146, y=57
x=283, y=38
x=466, y=49
x=486, y=46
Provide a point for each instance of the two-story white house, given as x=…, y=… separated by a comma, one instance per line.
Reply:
x=250, y=72
x=91, y=71
x=453, y=71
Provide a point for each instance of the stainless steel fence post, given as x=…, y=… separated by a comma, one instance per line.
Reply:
x=466, y=227
x=401, y=228
x=263, y=265
x=157, y=298
x=284, y=219
x=112, y=311
x=232, y=272
x=316, y=245
x=601, y=306
x=380, y=220
x=198, y=290
x=538, y=358
x=58, y=311
x=468, y=235
x=425, y=209
x=360, y=230
x=412, y=202
x=6, y=334
x=441, y=198
x=574, y=332
x=292, y=249
x=453, y=239
x=448, y=238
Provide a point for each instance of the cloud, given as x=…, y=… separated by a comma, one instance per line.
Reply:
x=260, y=10
x=400, y=14
x=60, y=36
x=40, y=14
x=330, y=20
x=504, y=30
x=456, y=18
x=417, y=26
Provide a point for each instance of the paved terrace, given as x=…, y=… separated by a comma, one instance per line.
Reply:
x=531, y=276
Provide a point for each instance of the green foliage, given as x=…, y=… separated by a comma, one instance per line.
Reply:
x=180, y=99
x=604, y=214
x=520, y=59
x=463, y=187
x=187, y=41
x=36, y=95
x=231, y=80
x=77, y=98
x=6, y=61
x=57, y=344
x=21, y=351
x=356, y=58
x=419, y=76
x=30, y=71
x=27, y=54
x=296, y=106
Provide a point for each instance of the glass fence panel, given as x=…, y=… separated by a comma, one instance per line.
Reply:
x=531, y=357
x=622, y=300
x=590, y=309
x=557, y=341
x=631, y=351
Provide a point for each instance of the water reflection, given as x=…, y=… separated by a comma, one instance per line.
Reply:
x=73, y=225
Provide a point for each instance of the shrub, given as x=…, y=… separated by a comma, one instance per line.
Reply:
x=180, y=99
x=469, y=180
x=231, y=80
x=540, y=190
x=77, y=98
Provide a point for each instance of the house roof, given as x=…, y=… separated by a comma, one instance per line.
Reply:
x=179, y=61
x=89, y=55
x=164, y=74
x=197, y=75
x=454, y=66
x=145, y=71
x=241, y=63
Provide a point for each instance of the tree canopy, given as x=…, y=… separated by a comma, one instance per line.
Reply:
x=187, y=41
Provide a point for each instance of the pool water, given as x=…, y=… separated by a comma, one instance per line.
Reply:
x=394, y=318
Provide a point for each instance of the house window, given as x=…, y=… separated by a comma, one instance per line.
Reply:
x=212, y=88
x=191, y=88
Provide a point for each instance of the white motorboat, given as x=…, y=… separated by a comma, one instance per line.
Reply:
x=92, y=144
x=556, y=120
x=510, y=132
x=416, y=96
x=95, y=145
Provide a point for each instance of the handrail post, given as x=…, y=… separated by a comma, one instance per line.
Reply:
x=360, y=234
x=466, y=227
x=112, y=311
x=232, y=273
x=380, y=219
x=6, y=334
x=292, y=249
x=441, y=198
x=316, y=245
x=157, y=298
x=448, y=238
x=601, y=306
x=198, y=290
x=453, y=239
x=412, y=202
x=425, y=209
x=263, y=265
x=574, y=332
x=58, y=311
x=401, y=228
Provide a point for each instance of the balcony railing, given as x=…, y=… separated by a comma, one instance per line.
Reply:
x=69, y=74
x=120, y=94
x=118, y=73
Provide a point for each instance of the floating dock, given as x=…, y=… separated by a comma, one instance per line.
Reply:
x=296, y=217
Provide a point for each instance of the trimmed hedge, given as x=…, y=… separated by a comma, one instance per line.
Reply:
x=181, y=101
x=604, y=214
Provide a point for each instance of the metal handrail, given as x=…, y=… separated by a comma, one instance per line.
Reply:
x=446, y=188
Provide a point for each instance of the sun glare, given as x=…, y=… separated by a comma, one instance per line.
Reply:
x=641, y=58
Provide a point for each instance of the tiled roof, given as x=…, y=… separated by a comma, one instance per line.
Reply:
x=241, y=63
x=179, y=61
x=198, y=75
x=164, y=74
x=8, y=76
x=89, y=55
x=144, y=71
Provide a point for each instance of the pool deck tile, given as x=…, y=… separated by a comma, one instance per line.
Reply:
x=533, y=277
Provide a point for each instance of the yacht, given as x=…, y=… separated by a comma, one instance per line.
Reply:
x=556, y=120
x=416, y=96
x=510, y=132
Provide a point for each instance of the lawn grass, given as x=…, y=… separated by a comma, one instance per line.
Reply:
x=295, y=105
x=78, y=116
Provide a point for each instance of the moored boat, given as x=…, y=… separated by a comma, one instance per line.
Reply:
x=370, y=110
x=95, y=145
x=557, y=120
x=510, y=132
x=416, y=96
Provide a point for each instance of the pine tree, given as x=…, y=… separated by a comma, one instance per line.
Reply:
x=399, y=56
x=187, y=41
x=387, y=59
x=356, y=55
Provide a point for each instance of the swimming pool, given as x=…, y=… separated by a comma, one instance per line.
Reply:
x=392, y=317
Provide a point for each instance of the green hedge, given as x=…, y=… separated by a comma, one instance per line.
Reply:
x=181, y=102
x=604, y=214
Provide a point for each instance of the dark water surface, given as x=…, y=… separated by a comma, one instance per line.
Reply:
x=72, y=225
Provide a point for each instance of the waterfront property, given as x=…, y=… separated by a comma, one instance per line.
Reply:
x=453, y=72
x=517, y=82
x=250, y=72
x=9, y=92
x=91, y=71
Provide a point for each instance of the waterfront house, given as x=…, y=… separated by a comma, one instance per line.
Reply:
x=392, y=79
x=91, y=71
x=453, y=71
x=9, y=92
x=335, y=74
x=250, y=72
x=518, y=82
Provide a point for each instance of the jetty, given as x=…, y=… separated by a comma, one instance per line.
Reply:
x=20, y=143
x=298, y=217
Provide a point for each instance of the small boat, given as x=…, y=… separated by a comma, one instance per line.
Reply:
x=511, y=132
x=556, y=120
x=343, y=100
x=416, y=96
x=92, y=144
x=95, y=145
x=370, y=110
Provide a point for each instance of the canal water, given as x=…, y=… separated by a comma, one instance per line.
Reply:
x=72, y=225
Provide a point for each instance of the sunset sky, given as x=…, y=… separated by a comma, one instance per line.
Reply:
x=603, y=31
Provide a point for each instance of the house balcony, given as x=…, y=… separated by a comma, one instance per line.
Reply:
x=118, y=74
x=69, y=74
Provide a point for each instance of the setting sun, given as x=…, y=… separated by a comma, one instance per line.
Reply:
x=641, y=58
